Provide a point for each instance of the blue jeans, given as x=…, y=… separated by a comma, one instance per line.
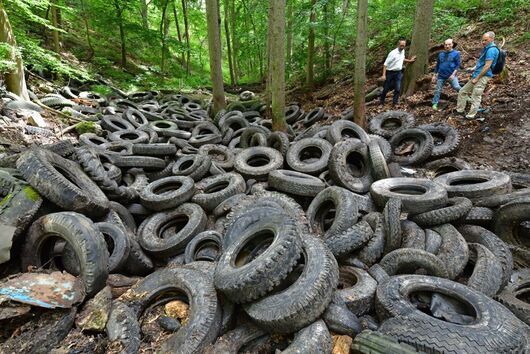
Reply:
x=440, y=84
x=393, y=81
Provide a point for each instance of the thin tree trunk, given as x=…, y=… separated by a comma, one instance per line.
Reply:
x=187, y=35
x=255, y=40
x=164, y=30
x=345, y=5
x=278, y=66
x=311, y=46
x=289, y=36
x=87, y=29
x=268, y=84
x=55, y=23
x=327, y=62
x=420, y=45
x=119, y=13
x=359, y=107
x=143, y=12
x=214, y=49
x=235, y=46
x=228, y=45
x=14, y=80
x=177, y=25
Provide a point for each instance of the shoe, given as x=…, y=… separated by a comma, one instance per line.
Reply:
x=470, y=117
x=462, y=114
x=435, y=107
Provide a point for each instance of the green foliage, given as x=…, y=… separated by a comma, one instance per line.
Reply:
x=7, y=58
x=85, y=127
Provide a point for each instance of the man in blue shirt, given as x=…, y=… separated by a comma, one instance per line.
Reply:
x=474, y=88
x=447, y=65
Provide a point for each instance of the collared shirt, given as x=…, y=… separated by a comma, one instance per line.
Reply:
x=490, y=52
x=394, y=60
x=447, y=63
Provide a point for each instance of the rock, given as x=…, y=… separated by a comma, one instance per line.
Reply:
x=489, y=140
x=95, y=313
x=33, y=118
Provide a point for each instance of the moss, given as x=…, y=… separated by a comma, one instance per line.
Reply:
x=31, y=193
x=86, y=127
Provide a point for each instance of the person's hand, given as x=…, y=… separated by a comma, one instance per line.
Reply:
x=413, y=58
x=433, y=79
x=383, y=77
x=474, y=81
x=451, y=77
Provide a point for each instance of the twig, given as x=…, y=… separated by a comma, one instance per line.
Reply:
x=74, y=119
x=68, y=129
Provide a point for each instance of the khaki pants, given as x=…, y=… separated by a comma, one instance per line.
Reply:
x=471, y=93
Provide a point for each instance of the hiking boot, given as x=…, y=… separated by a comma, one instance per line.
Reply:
x=469, y=117
x=435, y=107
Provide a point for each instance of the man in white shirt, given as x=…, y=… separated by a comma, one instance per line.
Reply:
x=392, y=73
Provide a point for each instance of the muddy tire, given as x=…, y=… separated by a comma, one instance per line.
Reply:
x=512, y=296
x=408, y=260
x=475, y=184
x=234, y=340
x=369, y=342
x=507, y=220
x=82, y=236
x=392, y=224
x=317, y=152
x=296, y=183
x=453, y=252
x=194, y=166
x=446, y=139
x=350, y=240
x=257, y=162
x=357, y=289
x=119, y=245
x=373, y=250
x=349, y=166
x=314, y=338
x=423, y=146
x=205, y=240
x=378, y=163
x=412, y=235
x=345, y=129
x=447, y=165
x=211, y=191
x=389, y=123
x=279, y=141
x=478, y=216
x=167, y=193
x=485, y=277
x=457, y=208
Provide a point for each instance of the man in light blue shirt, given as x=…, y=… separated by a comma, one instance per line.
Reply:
x=474, y=88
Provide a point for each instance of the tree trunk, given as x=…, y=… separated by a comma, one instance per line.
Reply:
x=177, y=25
x=228, y=45
x=255, y=39
x=187, y=35
x=119, y=13
x=143, y=12
x=345, y=5
x=55, y=23
x=327, y=61
x=289, y=36
x=164, y=30
x=87, y=29
x=359, y=107
x=268, y=84
x=311, y=46
x=214, y=49
x=419, y=46
x=277, y=54
x=15, y=81
x=235, y=47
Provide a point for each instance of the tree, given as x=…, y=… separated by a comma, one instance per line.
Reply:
x=14, y=79
x=55, y=22
x=228, y=46
x=119, y=13
x=311, y=45
x=164, y=31
x=143, y=12
x=289, y=34
x=186, y=35
x=420, y=45
x=360, y=64
x=214, y=48
x=277, y=62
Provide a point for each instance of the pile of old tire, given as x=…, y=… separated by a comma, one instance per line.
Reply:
x=272, y=240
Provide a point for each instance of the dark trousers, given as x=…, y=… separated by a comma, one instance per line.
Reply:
x=392, y=82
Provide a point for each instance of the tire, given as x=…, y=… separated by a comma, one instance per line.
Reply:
x=257, y=162
x=446, y=139
x=392, y=224
x=514, y=294
x=194, y=166
x=228, y=204
x=138, y=263
x=394, y=169
x=234, y=340
x=423, y=146
x=478, y=216
x=162, y=234
x=204, y=133
x=167, y=193
x=494, y=329
x=350, y=240
x=154, y=149
x=433, y=241
x=345, y=129
x=144, y=162
x=132, y=136
x=296, y=183
x=447, y=165
x=115, y=123
x=507, y=220
x=453, y=252
x=135, y=117
x=369, y=342
x=119, y=245
x=203, y=240
x=92, y=140
x=349, y=166
x=485, y=277
x=480, y=235
x=412, y=235
x=120, y=215
x=340, y=320
x=303, y=301
x=457, y=208
x=357, y=289
x=205, y=311
x=417, y=195
x=211, y=191
x=313, y=116
x=219, y=154
x=82, y=236
x=314, y=338
x=248, y=134
x=409, y=260
x=255, y=277
x=377, y=162
x=345, y=215
x=279, y=141
x=475, y=184
x=389, y=123
x=309, y=146
x=373, y=250
x=62, y=181
x=495, y=201
x=384, y=145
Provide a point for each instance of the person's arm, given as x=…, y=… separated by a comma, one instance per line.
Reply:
x=385, y=65
x=436, y=69
x=457, y=66
x=411, y=60
x=483, y=71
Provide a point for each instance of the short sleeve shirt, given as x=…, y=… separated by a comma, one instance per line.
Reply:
x=394, y=60
x=487, y=54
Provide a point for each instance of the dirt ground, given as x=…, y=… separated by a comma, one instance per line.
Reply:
x=499, y=139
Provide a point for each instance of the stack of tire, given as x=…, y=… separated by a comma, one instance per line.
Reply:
x=276, y=240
